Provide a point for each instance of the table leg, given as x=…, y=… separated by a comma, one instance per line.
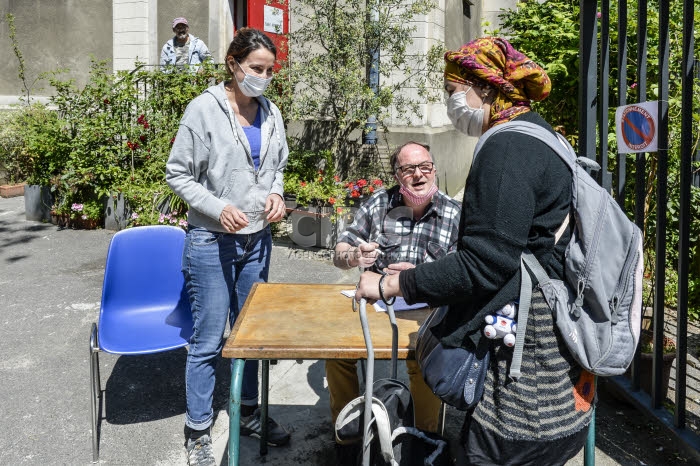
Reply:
x=589, y=448
x=264, y=396
x=234, y=412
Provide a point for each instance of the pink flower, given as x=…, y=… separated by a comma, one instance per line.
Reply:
x=599, y=15
x=134, y=216
x=633, y=86
x=84, y=217
x=183, y=223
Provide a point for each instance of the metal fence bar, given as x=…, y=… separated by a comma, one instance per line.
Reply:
x=604, y=177
x=687, y=81
x=621, y=92
x=588, y=81
x=640, y=161
x=661, y=205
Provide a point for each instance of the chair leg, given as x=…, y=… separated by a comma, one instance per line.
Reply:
x=95, y=391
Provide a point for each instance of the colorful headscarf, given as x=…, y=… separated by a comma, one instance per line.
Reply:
x=494, y=61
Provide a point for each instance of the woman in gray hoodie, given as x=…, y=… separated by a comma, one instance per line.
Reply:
x=226, y=163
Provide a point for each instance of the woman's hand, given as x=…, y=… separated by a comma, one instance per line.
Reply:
x=393, y=269
x=232, y=219
x=368, y=287
x=275, y=207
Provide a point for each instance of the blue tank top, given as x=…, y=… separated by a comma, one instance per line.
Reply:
x=253, y=134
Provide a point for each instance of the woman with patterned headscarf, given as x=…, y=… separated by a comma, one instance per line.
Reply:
x=517, y=195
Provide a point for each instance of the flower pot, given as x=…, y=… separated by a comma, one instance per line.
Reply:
x=116, y=212
x=12, y=190
x=85, y=223
x=317, y=226
x=647, y=361
x=645, y=372
x=60, y=220
x=37, y=203
x=290, y=201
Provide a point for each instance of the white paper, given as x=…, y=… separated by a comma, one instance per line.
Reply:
x=351, y=294
x=399, y=305
x=273, y=18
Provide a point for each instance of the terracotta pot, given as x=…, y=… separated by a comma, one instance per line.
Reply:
x=61, y=220
x=12, y=190
x=85, y=224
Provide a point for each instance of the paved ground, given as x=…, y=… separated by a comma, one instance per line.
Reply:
x=50, y=284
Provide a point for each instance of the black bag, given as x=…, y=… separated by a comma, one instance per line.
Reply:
x=389, y=437
x=393, y=438
x=455, y=375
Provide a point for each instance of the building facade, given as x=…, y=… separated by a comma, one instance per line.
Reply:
x=54, y=35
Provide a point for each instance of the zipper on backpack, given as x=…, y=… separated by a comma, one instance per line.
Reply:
x=583, y=279
x=615, y=301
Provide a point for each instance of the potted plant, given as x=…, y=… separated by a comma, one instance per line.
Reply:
x=646, y=362
x=668, y=356
x=87, y=215
x=44, y=149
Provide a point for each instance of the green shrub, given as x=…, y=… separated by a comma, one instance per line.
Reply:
x=14, y=167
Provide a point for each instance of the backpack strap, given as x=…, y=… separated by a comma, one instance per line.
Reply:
x=528, y=264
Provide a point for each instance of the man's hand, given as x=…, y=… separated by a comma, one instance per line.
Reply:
x=275, y=207
x=393, y=269
x=232, y=219
x=365, y=254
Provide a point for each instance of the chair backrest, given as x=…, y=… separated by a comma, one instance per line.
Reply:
x=145, y=307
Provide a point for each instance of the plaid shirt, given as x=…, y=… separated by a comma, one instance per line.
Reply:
x=385, y=220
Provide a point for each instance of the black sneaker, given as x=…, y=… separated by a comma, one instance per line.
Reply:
x=200, y=452
x=251, y=426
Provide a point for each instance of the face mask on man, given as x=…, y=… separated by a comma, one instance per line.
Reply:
x=415, y=198
x=465, y=119
x=252, y=86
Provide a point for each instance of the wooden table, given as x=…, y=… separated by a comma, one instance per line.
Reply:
x=303, y=321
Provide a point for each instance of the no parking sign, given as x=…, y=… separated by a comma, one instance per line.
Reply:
x=636, y=126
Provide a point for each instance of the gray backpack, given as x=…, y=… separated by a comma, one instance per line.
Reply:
x=598, y=308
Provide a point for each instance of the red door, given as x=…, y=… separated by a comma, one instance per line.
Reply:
x=271, y=17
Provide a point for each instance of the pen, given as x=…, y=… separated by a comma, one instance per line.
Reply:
x=379, y=251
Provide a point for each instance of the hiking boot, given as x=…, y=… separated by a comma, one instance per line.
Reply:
x=200, y=452
x=251, y=426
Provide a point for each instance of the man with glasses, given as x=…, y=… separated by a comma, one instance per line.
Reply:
x=183, y=49
x=396, y=229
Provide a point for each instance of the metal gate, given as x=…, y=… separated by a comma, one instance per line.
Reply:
x=594, y=126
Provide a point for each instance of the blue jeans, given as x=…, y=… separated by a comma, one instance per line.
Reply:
x=220, y=269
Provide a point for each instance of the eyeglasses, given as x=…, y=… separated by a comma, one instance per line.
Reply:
x=410, y=169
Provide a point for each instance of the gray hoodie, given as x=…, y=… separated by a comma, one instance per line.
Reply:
x=210, y=164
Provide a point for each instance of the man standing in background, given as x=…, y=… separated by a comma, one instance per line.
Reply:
x=183, y=49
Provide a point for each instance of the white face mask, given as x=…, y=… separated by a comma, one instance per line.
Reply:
x=464, y=118
x=252, y=86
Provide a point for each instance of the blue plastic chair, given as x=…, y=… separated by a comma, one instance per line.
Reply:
x=145, y=308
